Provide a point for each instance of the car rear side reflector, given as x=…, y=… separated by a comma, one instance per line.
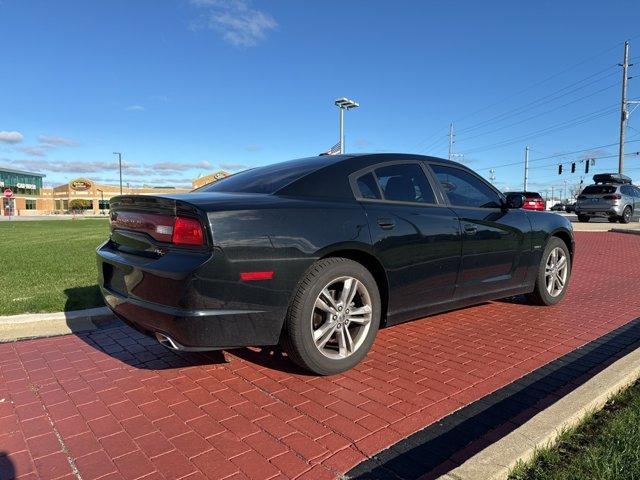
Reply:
x=187, y=231
x=263, y=275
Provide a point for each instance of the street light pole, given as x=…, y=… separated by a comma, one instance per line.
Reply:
x=119, y=168
x=344, y=104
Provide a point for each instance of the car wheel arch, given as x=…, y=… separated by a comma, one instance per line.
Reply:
x=371, y=263
x=565, y=236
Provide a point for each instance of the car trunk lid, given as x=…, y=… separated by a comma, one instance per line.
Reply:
x=150, y=225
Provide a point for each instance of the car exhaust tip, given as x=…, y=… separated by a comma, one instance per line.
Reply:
x=167, y=341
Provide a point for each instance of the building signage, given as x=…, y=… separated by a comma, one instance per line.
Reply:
x=26, y=186
x=80, y=184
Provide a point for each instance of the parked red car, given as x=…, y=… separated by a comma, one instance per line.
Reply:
x=532, y=201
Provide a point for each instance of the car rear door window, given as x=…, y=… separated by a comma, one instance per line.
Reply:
x=626, y=190
x=368, y=187
x=464, y=189
x=405, y=183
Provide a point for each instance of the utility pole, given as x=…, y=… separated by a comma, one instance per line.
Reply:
x=552, y=199
x=451, y=141
x=623, y=107
x=119, y=168
x=564, y=193
x=526, y=168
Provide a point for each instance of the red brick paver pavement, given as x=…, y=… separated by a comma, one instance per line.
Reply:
x=113, y=404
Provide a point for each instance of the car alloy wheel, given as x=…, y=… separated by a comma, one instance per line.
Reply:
x=341, y=317
x=626, y=215
x=556, y=271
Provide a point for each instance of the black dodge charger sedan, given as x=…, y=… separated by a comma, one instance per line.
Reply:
x=317, y=253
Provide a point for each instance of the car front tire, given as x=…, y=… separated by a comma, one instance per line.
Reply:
x=583, y=218
x=333, y=318
x=553, y=274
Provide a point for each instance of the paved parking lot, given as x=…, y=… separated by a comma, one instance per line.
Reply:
x=113, y=404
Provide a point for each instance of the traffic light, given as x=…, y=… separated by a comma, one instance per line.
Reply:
x=586, y=166
x=573, y=167
x=559, y=169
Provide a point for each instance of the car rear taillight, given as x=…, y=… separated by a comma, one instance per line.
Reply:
x=163, y=228
x=617, y=196
x=187, y=231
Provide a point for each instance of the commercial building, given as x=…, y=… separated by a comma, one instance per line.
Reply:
x=80, y=194
x=28, y=193
x=203, y=180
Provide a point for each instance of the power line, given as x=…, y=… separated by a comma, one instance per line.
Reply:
x=531, y=86
x=539, y=114
x=556, y=155
x=545, y=131
x=541, y=82
x=558, y=94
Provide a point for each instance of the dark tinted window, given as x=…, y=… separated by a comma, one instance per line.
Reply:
x=636, y=192
x=405, y=183
x=464, y=189
x=599, y=189
x=367, y=186
x=626, y=190
x=267, y=179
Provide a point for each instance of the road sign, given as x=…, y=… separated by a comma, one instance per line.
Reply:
x=8, y=193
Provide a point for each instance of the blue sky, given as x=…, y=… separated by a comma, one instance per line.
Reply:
x=184, y=87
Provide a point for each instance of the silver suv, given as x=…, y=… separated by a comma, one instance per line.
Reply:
x=611, y=196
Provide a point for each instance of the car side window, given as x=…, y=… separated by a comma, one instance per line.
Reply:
x=464, y=189
x=367, y=186
x=636, y=192
x=405, y=183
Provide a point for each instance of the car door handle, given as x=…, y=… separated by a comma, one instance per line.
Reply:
x=470, y=229
x=386, y=223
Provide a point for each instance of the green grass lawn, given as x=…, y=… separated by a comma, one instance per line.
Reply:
x=606, y=446
x=49, y=265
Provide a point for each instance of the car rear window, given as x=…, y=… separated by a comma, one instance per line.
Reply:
x=368, y=186
x=599, y=189
x=268, y=179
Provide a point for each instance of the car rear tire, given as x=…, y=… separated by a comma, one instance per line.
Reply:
x=626, y=215
x=553, y=274
x=583, y=218
x=333, y=318
x=612, y=219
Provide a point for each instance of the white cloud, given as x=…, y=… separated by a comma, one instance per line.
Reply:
x=178, y=166
x=233, y=166
x=34, y=151
x=135, y=108
x=55, y=141
x=239, y=24
x=10, y=137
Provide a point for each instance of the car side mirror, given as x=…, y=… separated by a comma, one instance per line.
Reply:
x=514, y=200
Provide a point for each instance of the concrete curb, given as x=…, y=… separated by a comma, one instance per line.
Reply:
x=34, y=325
x=624, y=230
x=497, y=460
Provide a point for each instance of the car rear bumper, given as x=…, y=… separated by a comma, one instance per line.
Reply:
x=600, y=210
x=192, y=330
x=177, y=298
